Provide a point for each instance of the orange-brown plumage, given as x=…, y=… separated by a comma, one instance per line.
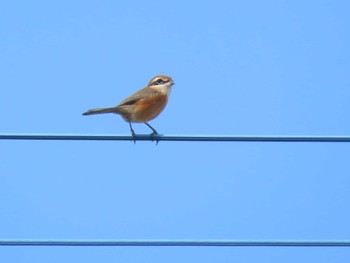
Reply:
x=148, y=109
x=144, y=105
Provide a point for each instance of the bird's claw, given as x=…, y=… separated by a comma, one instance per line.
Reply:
x=133, y=136
x=153, y=134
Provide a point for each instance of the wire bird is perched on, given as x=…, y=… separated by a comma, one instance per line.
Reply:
x=143, y=106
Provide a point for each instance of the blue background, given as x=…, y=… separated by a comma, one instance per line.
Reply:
x=241, y=68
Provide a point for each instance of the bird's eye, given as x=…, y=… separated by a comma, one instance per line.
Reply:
x=160, y=81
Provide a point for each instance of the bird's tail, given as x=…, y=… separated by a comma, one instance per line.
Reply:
x=101, y=110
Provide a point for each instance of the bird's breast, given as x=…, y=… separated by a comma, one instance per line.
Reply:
x=149, y=108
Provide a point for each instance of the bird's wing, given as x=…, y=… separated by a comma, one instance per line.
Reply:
x=139, y=95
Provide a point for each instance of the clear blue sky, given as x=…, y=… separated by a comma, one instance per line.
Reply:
x=241, y=68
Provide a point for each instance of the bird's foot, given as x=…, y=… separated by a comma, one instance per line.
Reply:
x=153, y=135
x=133, y=136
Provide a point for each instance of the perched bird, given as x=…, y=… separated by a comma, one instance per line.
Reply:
x=144, y=105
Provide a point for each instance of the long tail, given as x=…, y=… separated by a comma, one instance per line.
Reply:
x=101, y=110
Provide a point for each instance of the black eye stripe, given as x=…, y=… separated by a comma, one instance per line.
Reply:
x=160, y=81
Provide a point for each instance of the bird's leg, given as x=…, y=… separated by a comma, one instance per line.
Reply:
x=154, y=131
x=132, y=133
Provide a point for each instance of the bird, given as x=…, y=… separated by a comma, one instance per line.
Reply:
x=144, y=105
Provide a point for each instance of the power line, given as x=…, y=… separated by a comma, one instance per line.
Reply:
x=192, y=243
x=198, y=138
x=177, y=243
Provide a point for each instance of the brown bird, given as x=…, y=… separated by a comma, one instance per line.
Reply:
x=144, y=105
